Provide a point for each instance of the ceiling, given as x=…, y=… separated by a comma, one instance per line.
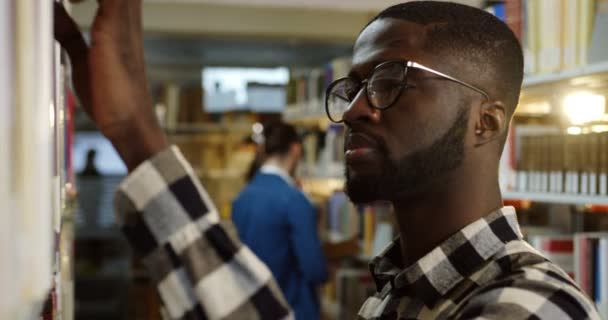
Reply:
x=182, y=36
x=343, y=5
x=183, y=52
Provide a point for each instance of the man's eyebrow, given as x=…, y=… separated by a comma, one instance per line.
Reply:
x=354, y=74
x=355, y=70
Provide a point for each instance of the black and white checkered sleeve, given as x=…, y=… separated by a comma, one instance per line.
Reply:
x=201, y=269
x=540, y=292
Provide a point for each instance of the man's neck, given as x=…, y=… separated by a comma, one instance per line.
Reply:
x=426, y=220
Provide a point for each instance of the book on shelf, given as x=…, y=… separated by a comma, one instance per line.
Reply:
x=370, y=223
x=584, y=256
x=558, y=248
x=342, y=218
x=591, y=267
x=598, y=50
x=323, y=152
x=602, y=283
x=552, y=162
x=354, y=286
x=306, y=87
x=556, y=34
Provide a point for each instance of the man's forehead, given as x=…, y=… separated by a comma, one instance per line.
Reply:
x=398, y=39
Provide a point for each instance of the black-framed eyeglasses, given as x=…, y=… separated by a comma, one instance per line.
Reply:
x=383, y=88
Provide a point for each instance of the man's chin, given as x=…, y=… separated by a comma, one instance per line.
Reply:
x=362, y=192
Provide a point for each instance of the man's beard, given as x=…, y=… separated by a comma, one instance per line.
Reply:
x=415, y=173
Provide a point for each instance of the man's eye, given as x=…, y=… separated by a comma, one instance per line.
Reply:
x=385, y=85
x=351, y=93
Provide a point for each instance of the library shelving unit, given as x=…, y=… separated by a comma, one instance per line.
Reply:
x=556, y=198
x=36, y=201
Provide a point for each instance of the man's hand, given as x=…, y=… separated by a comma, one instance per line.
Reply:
x=110, y=78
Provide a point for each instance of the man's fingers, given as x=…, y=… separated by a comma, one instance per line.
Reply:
x=67, y=33
x=72, y=41
x=112, y=10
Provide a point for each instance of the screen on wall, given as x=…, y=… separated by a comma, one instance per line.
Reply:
x=252, y=89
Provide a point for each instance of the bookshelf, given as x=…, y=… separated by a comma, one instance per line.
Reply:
x=555, y=198
x=202, y=128
x=597, y=70
x=312, y=114
x=36, y=202
x=323, y=186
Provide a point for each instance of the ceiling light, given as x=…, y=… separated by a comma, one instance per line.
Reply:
x=584, y=107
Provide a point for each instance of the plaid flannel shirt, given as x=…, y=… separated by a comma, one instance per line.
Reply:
x=202, y=271
x=200, y=268
x=485, y=271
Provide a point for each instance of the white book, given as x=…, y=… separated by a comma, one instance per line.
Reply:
x=544, y=185
x=584, y=183
x=522, y=181
x=593, y=183
x=575, y=183
x=602, y=304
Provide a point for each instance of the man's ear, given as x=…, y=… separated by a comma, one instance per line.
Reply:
x=492, y=122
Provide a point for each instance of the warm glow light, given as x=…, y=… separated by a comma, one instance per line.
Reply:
x=257, y=128
x=599, y=128
x=575, y=130
x=583, y=107
x=534, y=108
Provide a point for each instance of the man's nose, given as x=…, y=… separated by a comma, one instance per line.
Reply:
x=360, y=110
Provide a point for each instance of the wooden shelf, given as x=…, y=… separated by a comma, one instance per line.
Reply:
x=324, y=185
x=596, y=69
x=307, y=115
x=207, y=128
x=557, y=198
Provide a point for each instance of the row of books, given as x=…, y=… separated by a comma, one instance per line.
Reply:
x=561, y=163
x=371, y=224
x=179, y=105
x=323, y=153
x=585, y=257
x=556, y=34
x=306, y=86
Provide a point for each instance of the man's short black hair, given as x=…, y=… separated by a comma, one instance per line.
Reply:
x=473, y=37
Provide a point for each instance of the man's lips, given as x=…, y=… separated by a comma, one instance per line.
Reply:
x=356, y=141
x=360, y=148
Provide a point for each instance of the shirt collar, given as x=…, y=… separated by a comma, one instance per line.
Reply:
x=457, y=258
x=278, y=171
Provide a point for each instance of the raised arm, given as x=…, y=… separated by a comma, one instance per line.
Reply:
x=201, y=269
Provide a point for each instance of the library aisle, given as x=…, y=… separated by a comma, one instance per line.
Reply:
x=221, y=73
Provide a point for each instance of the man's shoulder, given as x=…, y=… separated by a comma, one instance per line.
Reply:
x=521, y=281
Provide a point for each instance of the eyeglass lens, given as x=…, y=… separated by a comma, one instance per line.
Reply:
x=383, y=89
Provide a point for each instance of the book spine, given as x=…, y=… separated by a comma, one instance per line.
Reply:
x=603, y=258
x=559, y=249
x=514, y=16
x=597, y=274
x=603, y=164
x=579, y=259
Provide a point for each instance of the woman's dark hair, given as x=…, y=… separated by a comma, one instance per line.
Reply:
x=278, y=138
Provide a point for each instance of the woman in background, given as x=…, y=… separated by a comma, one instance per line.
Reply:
x=278, y=223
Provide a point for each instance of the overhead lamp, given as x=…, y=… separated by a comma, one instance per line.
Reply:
x=599, y=128
x=583, y=107
x=575, y=130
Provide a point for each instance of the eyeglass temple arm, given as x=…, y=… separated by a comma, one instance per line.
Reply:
x=472, y=87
